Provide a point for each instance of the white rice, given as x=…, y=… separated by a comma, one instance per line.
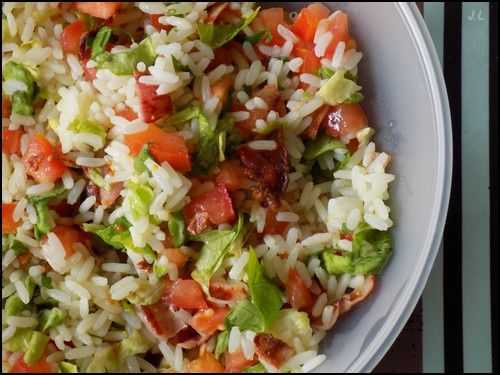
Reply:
x=263, y=145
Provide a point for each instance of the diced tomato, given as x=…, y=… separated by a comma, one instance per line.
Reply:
x=345, y=120
x=231, y=175
x=298, y=294
x=228, y=15
x=176, y=256
x=153, y=106
x=72, y=35
x=8, y=223
x=274, y=226
x=215, y=206
x=307, y=21
x=89, y=74
x=317, y=118
x=185, y=294
x=269, y=19
x=68, y=236
x=108, y=197
x=220, y=88
x=208, y=321
x=41, y=160
x=310, y=62
x=237, y=362
x=205, y=363
x=227, y=291
x=163, y=146
x=222, y=55
x=353, y=145
x=11, y=141
x=127, y=113
x=157, y=24
x=24, y=259
x=215, y=11
x=42, y=366
x=272, y=350
x=102, y=9
x=5, y=107
x=339, y=27
x=160, y=320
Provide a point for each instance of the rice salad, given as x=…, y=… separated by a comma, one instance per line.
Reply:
x=186, y=187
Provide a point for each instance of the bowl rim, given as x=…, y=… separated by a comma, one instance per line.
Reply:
x=409, y=296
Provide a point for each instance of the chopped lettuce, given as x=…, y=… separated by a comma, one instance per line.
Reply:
x=144, y=294
x=36, y=347
x=51, y=318
x=217, y=244
x=30, y=285
x=159, y=269
x=177, y=228
x=187, y=114
x=139, y=198
x=105, y=359
x=46, y=282
x=321, y=145
x=124, y=63
x=19, y=342
x=264, y=294
x=101, y=40
x=84, y=125
x=208, y=149
x=97, y=179
x=178, y=66
x=338, y=89
x=45, y=222
x=221, y=343
x=57, y=192
x=118, y=236
x=258, y=368
x=13, y=305
x=67, y=367
x=134, y=344
x=140, y=159
x=10, y=242
x=258, y=36
x=336, y=264
x=216, y=35
x=246, y=316
x=21, y=101
x=291, y=323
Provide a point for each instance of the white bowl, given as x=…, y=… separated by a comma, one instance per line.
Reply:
x=407, y=104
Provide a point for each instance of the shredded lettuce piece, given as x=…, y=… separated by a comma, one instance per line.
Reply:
x=139, y=198
x=101, y=40
x=185, y=115
x=177, y=228
x=246, y=316
x=124, y=63
x=13, y=305
x=118, y=236
x=105, y=359
x=208, y=149
x=45, y=221
x=19, y=342
x=321, y=145
x=51, y=318
x=265, y=295
x=67, y=367
x=21, y=101
x=291, y=323
x=134, y=344
x=338, y=89
x=258, y=36
x=216, y=35
x=141, y=158
x=83, y=125
x=144, y=294
x=259, y=368
x=36, y=347
x=217, y=244
x=10, y=242
x=30, y=285
x=221, y=343
x=97, y=179
x=337, y=264
x=159, y=268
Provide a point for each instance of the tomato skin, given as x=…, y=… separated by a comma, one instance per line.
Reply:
x=8, y=223
x=231, y=175
x=72, y=36
x=339, y=27
x=215, y=205
x=185, y=294
x=102, y=10
x=272, y=225
x=69, y=235
x=220, y=88
x=236, y=362
x=42, y=366
x=127, y=113
x=205, y=363
x=163, y=146
x=5, y=107
x=207, y=322
x=153, y=106
x=345, y=120
x=307, y=21
x=269, y=19
x=11, y=141
x=41, y=160
x=317, y=118
x=310, y=62
x=299, y=296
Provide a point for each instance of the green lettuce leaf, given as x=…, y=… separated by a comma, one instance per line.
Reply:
x=258, y=36
x=10, y=242
x=321, y=145
x=208, y=149
x=291, y=323
x=51, y=318
x=139, y=198
x=118, y=236
x=45, y=222
x=144, y=294
x=264, y=294
x=21, y=101
x=134, y=344
x=101, y=40
x=221, y=343
x=36, y=347
x=97, y=179
x=217, y=244
x=13, y=305
x=19, y=342
x=67, y=367
x=84, y=125
x=177, y=228
x=187, y=114
x=124, y=63
x=258, y=368
x=371, y=249
x=140, y=159
x=336, y=264
x=246, y=316
x=338, y=89
x=216, y=35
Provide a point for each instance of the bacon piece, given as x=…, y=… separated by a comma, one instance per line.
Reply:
x=215, y=11
x=188, y=338
x=153, y=106
x=227, y=291
x=160, y=320
x=272, y=350
x=350, y=300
